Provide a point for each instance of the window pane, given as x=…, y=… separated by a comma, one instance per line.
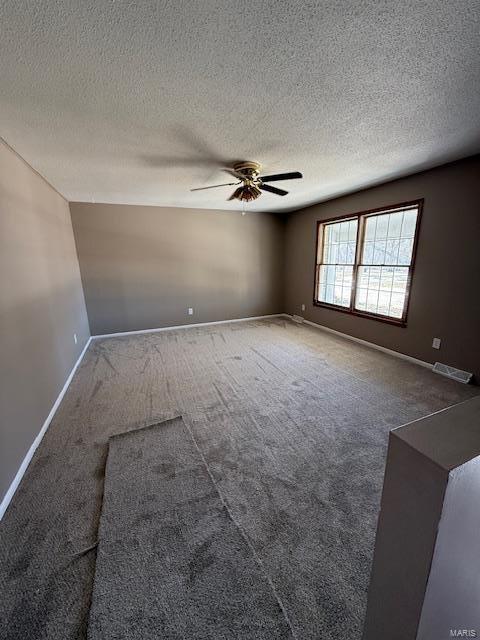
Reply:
x=405, y=251
x=342, y=253
x=321, y=290
x=330, y=274
x=368, y=252
x=409, y=223
x=343, y=227
x=327, y=232
x=396, y=305
x=379, y=252
x=391, y=250
x=347, y=277
x=386, y=278
x=395, y=225
x=329, y=295
x=370, y=228
x=372, y=300
x=361, y=302
x=335, y=284
x=382, y=226
x=400, y=277
x=384, y=302
x=339, y=242
x=382, y=290
x=334, y=253
x=389, y=238
x=352, y=231
x=374, y=278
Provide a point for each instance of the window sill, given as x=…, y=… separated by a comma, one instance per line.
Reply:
x=353, y=312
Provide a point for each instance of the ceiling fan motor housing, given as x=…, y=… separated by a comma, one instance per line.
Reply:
x=248, y=168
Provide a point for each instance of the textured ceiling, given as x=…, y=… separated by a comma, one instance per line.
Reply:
x=137, y=102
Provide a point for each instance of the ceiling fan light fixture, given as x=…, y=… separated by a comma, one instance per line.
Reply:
x=237, y=194
x=246, y=193
x=249, y=192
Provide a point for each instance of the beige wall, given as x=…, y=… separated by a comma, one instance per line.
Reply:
x=445, y=295
x=41, y=306
x=142, y=267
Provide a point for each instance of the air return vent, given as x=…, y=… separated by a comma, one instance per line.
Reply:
x=451, y=372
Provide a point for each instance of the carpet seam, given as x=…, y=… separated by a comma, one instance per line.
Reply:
x=97, y=544
x=242, y=533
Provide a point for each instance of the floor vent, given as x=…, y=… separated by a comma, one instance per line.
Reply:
x=451, y=372
x=298, y=319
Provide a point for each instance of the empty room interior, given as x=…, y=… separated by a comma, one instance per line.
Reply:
x=240, y=320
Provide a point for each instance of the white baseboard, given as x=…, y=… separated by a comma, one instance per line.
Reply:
x=187, y=326
x=26, y=461
x=372, y=345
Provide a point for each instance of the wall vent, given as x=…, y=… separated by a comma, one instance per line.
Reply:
x=298, y=319
x=451, y=372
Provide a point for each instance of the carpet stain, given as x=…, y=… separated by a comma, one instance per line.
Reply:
x=165, y=468
x=108, y=361
x=200, y=562
x=96, y=389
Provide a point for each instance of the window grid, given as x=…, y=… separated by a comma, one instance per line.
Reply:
x=378, y=279
x=373, y=297
x=335, y=269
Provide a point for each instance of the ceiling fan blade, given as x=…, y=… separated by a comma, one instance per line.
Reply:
x=281, y=176
x=214, y=186
x=267, y=187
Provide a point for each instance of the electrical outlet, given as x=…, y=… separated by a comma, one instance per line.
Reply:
x=303, y=307
x=436, y=342
x=75, y=338
x=190, y=311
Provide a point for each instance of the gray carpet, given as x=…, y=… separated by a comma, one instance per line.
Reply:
x=293, y=422
x=171, y=562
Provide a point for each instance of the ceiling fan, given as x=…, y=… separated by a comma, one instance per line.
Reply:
x=252, y=184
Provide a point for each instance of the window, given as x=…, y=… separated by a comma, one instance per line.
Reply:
x=335, y=274
x=365, y=262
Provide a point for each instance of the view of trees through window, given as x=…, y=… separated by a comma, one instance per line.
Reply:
x=364, y=262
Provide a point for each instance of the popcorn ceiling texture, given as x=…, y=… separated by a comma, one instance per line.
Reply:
x=125, y=102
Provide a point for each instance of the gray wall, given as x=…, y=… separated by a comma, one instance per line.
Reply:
x=41, y=306
x=142, y=267
x=445, y=296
